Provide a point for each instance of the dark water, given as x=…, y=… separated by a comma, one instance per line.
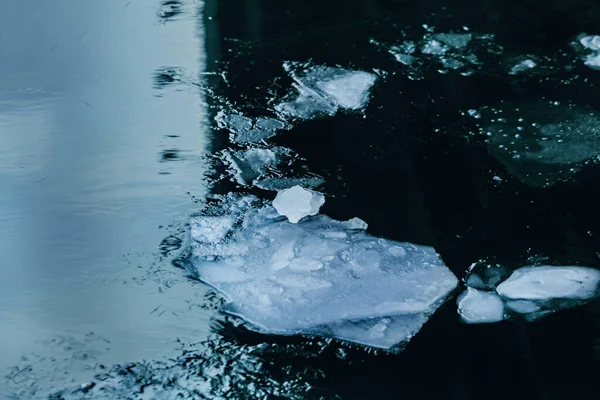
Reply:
x=73, y=204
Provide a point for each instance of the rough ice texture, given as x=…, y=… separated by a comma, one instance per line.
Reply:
x=320, y=276
x=546, y=283
x=477, y=307
x=248, y=165
x=522, y=67
x=279, y=183
x=296, y=203
x=246, y=130
x=592, y=43
x=323, y=90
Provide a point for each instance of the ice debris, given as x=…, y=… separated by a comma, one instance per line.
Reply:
x=485, y=276
x=532, y=292
x=541, y=142
x=522, y=67
x=296, y=203
x=247, y=130
x=317, y=277
x=323, y=90
x=476, y=306
x=591, y=43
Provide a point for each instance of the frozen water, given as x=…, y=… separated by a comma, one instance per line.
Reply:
x=541, y=142
x=248, y=165
x=476, y=306
x=592, y=43
x=544, y=283
x=296, y=203
x=532, y=292
x=323, y=90
x=246, y=130
x=454, y=40
x=522, y=67
x=319, y=276
x=280, y=183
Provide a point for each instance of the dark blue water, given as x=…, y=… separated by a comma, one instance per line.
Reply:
x=107, y=109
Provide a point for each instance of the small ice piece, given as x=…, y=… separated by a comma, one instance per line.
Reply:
x=248, y=165
x=318, y=276
x=479, y=307
x=546, y=283
x=522, y=67
x=323, y=90
x=433, y=47
x=591, y=42
x=455, y=40
x=245, y=130
x=296, y=203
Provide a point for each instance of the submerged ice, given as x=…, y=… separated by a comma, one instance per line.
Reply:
x=540, y=142
x=323, y=90
x=317, y=277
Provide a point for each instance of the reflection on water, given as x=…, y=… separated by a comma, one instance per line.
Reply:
x=87, y=126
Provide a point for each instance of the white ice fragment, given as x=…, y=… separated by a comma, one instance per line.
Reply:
x=479, y=307
x=433, y=47
x=591, y=42
x=296, y=203
x=522, y=67
x=211, y=229
x=546, y=282
x=319, y=276
x=323, y=90
x=348, y=91
x=355, y=223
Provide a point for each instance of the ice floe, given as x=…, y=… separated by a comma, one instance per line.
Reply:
x=591, y=43
x=317, y=277
x=247, y=130
x=531, y=292
x=296, y=203
x=476, y=306
x=540, y=142
x=523, y=66
x=545, y=282
x=324, y=90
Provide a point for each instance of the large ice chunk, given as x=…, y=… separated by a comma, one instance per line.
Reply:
x=319, y=276
x=546, y=283
x=476, y=306
x=296, y=203
x=323, y=90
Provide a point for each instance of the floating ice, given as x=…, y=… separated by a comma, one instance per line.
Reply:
x=546, y=283
x=522, y=67
x=442, y=51
x=248, y=165
x=592, y=43
x=541, y=142
x=479, y=307
x=280, y=183
x=296, y=203
x=533, y=292
x=322, y=90
x=319, y=276
x=247, y=130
